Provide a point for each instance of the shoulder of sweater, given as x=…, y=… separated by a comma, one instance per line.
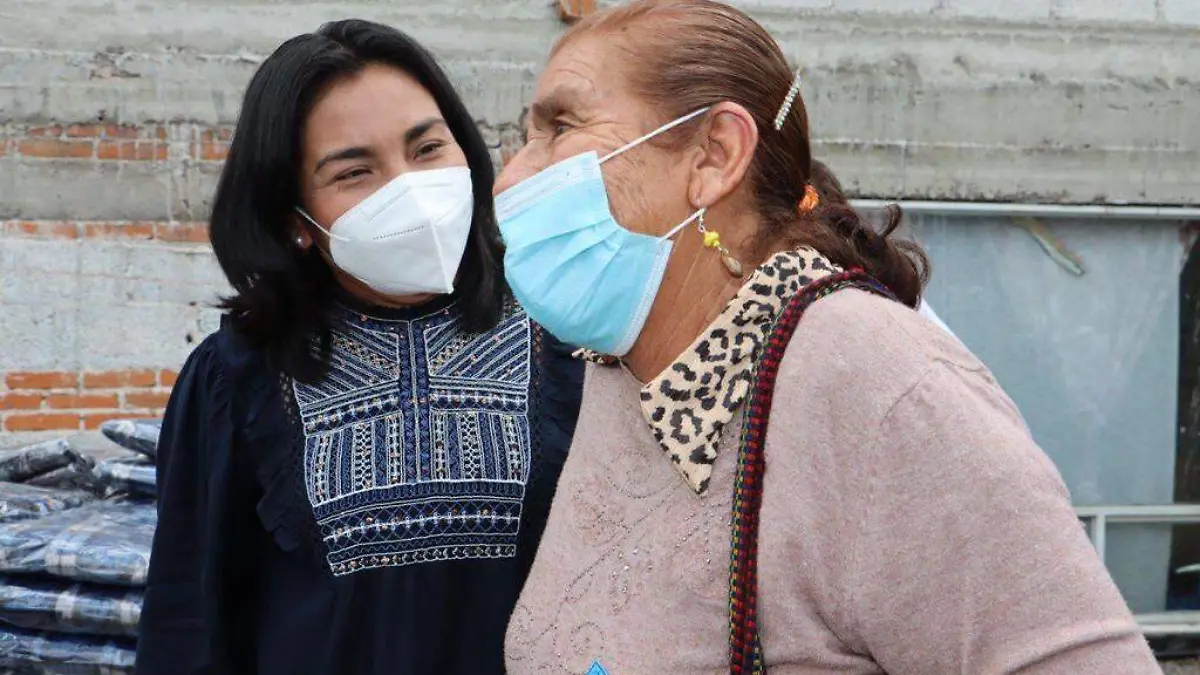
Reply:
x=865, y=352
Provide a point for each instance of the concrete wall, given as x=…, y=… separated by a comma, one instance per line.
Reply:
x=115, y=115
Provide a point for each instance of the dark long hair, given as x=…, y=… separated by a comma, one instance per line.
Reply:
x=282, y=298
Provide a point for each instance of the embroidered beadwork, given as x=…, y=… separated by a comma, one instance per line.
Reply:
x=417, y=443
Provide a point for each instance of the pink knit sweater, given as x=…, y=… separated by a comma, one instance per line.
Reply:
x=910, y=526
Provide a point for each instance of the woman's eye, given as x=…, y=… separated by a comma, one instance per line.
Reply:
x=352, y=173
x=429, y=148
x=559, y=128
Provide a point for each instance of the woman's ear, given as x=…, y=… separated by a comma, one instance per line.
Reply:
x=728, y=141
x=301, y=237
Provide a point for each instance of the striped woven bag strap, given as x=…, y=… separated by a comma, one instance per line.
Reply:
x=745, y=644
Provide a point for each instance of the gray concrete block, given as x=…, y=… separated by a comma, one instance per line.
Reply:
x=233, y=27
x=754, y=6
x=972, y=87
x=192, y=188
x=866, y=168
x=41, y=85
x=38, y=86
x=113, y=272
x=1011, y=10
x=1181, y=12
x=20, y=256
x=53, y=289
x=895, y=6
x=1105, y=10
x=133, y=335
x=37, y=337
x=82, y=189
x=91, y=304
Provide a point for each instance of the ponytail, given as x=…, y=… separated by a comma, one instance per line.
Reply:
x=843, y=235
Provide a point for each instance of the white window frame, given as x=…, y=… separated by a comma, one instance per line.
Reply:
x=1096, y=520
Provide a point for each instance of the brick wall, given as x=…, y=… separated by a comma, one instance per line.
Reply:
x=111, y=267
x=113, y=126
x=86, y=141
x=67, y=400
x=56, y=273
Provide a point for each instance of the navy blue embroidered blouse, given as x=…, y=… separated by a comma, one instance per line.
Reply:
x=380, y=521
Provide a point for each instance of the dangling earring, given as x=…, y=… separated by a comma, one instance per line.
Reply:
x=713, y=240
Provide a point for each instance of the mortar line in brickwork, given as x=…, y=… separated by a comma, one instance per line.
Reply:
x=110, y=141
x=159, y=233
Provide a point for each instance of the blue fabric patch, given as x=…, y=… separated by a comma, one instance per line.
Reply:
x=597, y=669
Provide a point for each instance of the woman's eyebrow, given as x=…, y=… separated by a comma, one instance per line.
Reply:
x=423, y=127
x=560, y=99
x=362, y=152
x=354, y=152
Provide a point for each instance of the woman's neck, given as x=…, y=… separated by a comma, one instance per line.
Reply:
x=695, y=290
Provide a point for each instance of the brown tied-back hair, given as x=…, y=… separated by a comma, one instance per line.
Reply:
x=688, y=54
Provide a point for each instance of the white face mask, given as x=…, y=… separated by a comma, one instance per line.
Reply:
x=408, y=237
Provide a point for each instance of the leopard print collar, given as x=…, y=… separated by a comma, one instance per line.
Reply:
x=690, y=402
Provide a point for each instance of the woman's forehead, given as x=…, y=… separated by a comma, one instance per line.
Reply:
x=377, y=95
x=378, y=105
x=581, y=73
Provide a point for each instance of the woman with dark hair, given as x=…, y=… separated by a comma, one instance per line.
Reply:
x=356, y=469
x=780, y=467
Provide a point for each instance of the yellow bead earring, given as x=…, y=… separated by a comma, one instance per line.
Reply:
x=712, y=240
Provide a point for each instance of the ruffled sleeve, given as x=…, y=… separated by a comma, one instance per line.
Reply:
x=189, y=622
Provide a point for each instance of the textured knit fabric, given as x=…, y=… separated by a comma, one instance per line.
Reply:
x=909, y=526
x=380, y=521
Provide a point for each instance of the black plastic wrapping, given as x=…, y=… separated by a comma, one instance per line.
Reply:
x=105, y=542
x=138, y=435
x=32, y=653
x=65, y=607
x=26, y=502
x=136, y=476
x=21, y=464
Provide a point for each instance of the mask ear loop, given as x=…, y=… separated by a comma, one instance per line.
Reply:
x=318, y=225
x=329, y=257
x=712, y=239
x=661, y=130
x=699, y=215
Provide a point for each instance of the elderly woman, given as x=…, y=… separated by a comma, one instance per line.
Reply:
x=890, y=512
x=356, y=469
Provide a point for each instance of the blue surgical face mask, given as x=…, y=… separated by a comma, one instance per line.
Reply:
x=574, y=269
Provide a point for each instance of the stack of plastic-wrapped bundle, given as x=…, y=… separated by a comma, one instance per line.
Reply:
x=75, y=532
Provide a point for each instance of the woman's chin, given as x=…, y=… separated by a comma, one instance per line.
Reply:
x=366, y=294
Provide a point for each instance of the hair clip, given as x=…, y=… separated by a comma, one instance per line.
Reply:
x=788, y=100
x=811, y=199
